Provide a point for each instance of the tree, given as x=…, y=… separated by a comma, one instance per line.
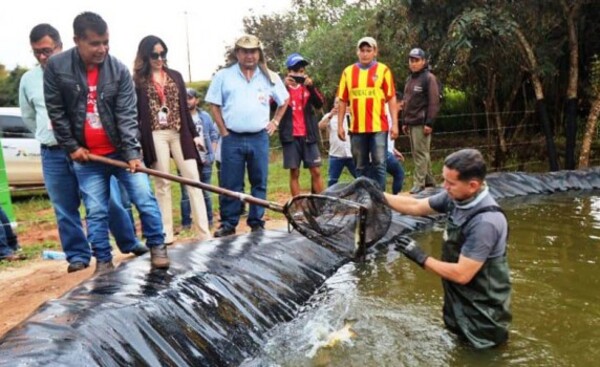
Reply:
x=571, y=10
x=590, y=130
x=482, y=41
x=273, y=31
x=9, y=87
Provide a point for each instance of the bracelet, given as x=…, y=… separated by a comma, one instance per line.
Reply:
x=275, y=122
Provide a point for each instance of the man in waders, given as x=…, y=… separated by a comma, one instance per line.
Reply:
x=474, y=267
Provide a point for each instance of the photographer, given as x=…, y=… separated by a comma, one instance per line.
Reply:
x=299, y=131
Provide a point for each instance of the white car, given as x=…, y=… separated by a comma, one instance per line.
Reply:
x=20, y=149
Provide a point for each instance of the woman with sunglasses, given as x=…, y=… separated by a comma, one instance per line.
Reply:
x=167, y=130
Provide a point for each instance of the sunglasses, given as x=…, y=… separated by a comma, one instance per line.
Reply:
x=156, y=55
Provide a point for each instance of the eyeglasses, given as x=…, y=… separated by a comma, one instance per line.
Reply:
x=156, y=55
x=44, y=51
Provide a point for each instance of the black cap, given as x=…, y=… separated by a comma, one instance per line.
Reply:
x=416, y=53
x=191, y=92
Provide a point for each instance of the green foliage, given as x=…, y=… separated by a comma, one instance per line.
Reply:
x=451, y=116
x=9, y=86
x=272, y=30
x=201, y=86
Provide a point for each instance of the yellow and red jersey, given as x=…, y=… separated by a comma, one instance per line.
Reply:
x=366, y=91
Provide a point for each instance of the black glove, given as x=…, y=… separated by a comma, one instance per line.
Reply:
x=410, y=249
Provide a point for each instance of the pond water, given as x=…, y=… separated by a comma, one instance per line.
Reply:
x=395, y=307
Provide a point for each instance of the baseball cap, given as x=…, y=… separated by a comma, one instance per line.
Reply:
x=416, y=53
x=295, y=59
x=248, y=41
x=191, y=92
x=368, y=40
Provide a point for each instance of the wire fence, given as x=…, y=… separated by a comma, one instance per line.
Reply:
x=523, y=153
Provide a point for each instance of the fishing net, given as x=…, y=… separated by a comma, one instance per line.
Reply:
x=344, y=213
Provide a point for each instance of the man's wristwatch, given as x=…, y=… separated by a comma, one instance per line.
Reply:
x=275, y=122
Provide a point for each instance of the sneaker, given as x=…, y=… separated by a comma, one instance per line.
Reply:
x=159, y=257
x=256, y=228
x=76, y=266
x=104, y=266
x=14, y=257
x=416, y=190
x=224, y=231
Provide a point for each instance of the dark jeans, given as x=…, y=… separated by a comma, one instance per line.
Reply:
x=336, y=166
x=63, y=189
x=369, y=153
x=186, y=209
x=8, y=239
x=395, y=169
x=241, y=152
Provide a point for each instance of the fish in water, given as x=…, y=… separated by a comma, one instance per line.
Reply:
x=342, y=335
x=330, y=340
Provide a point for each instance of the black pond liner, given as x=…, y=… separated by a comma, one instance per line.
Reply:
x=215, y=304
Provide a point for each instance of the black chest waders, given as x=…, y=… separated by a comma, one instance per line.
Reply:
x=479, y=310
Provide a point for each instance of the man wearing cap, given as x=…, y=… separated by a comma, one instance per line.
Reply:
x=298, y=131
x=239, y=96
x=421, y=106
x=207, y=130
x=367, y=86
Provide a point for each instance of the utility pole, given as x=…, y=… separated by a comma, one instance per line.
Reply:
x=187, y=41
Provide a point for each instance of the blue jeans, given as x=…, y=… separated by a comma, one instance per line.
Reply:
x=63, y=189
x=94, y=182
x=336, y=166
x=240, y=152
x=369, y=153
x=120, y=198
x=8, y=239
x=205, y=176
x=395, y=169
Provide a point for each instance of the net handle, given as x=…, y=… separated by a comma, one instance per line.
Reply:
x=186, y=181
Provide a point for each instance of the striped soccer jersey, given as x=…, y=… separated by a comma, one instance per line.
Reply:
x=366, y=92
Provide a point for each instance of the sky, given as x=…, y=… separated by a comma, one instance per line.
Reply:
x=210, y=26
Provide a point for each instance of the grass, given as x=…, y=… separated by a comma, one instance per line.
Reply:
x=34, y=211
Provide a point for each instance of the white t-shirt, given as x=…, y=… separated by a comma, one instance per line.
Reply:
x=390, y=144
x=338, y=148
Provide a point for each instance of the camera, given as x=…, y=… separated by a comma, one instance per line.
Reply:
x=299, y=79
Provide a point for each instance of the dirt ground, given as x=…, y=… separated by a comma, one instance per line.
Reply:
x=26, y=287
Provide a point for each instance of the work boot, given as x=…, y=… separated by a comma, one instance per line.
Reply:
x=14, y=257
x=159, y=257
x=104, y=267
x=257, y=228
x=76, y=266
x=224, y=231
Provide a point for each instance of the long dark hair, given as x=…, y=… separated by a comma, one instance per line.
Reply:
x=141, y=65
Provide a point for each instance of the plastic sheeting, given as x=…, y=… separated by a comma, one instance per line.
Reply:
x=218, y=299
